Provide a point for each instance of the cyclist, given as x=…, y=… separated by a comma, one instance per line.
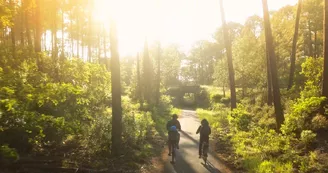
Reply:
x=205, y=131
x=173, y=139
x=174, y=122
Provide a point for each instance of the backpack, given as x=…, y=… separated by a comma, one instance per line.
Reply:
x=173, y=123
x=206, y=131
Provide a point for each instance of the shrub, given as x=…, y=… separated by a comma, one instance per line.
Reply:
x=319, y=122
x=301, y=114
x=307, y=137
x=240, y=119
x=7, y=155
x=215, y=98
x=272, y=166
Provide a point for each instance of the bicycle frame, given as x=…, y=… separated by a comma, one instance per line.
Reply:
x=205, y=148
x=173, y=150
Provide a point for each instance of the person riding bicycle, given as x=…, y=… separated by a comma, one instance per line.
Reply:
x=205, y=131
x=174, y=122
x=173, y=140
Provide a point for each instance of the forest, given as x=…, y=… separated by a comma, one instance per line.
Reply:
x=72, y=101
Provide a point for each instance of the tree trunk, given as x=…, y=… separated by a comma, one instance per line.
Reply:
x=22, y=40
x=158, y=87
x=78, y=37
x=27, y=29
x=45, y=41
x=147, y=74
x=138, y=89
x=55, y=47
x=38, y=32
x=82, y=46
x=310, y=41
x=62, y=37
x=269, y=81
x=12, y=29
x=223, y=89
x=294, y=47
x=315, y=55
x=229, y=57
x=116, y=93
x=13, y=41
x=90, y=33
x=99, y=47
x=104, y=44
x=325, y=54
x=273, y=66
x=72, y=41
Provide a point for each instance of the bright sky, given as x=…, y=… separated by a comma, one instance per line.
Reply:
x=174, y=21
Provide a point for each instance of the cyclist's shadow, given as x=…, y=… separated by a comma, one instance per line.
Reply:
x=210, y=167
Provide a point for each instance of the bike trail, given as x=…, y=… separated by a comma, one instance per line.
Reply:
x=187, y=160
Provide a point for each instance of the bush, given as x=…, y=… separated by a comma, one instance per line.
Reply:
x=319, y=122
x=215, y=98
x=7, y=155
x=271, y=166
x=301, y=114
x=226, y=100
x=307, y=137
x=240, y=119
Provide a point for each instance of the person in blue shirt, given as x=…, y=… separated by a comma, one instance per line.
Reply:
x=173, y=122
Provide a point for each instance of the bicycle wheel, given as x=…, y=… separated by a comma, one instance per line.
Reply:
x=205, y=150
x=173, y=152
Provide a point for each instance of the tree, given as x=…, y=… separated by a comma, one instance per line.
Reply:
x=293, y=54
x=273, y=66
x=27, y=22
x=269, y=80
x=311, y=23
x=90, y=32
x=158, y=80
x=38, y=27
x=13, y=28
x=116, y=92
x=229, y=57
x=62, y=29
x=248, y=52
x=171, y=59
x=147, y=74
x=221, y=75
x=325, y=66
x=138, y=86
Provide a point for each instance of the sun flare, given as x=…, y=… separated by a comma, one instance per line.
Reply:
x=172, y=21
x=136, y=20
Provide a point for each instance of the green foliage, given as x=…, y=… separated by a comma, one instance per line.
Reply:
x=240, y=119
x=301, y=114
x=275, y=166
x=64, y=108
x=307, y=137
x=8, y=155
x=313, y=76
x=6, y=15
x=210, y=96
x=46, y=107
x=319, y=122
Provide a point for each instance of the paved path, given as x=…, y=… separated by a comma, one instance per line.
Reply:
x=187, y=156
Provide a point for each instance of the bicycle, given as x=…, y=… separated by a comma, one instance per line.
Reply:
x=205, y=151
x=173, y=152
